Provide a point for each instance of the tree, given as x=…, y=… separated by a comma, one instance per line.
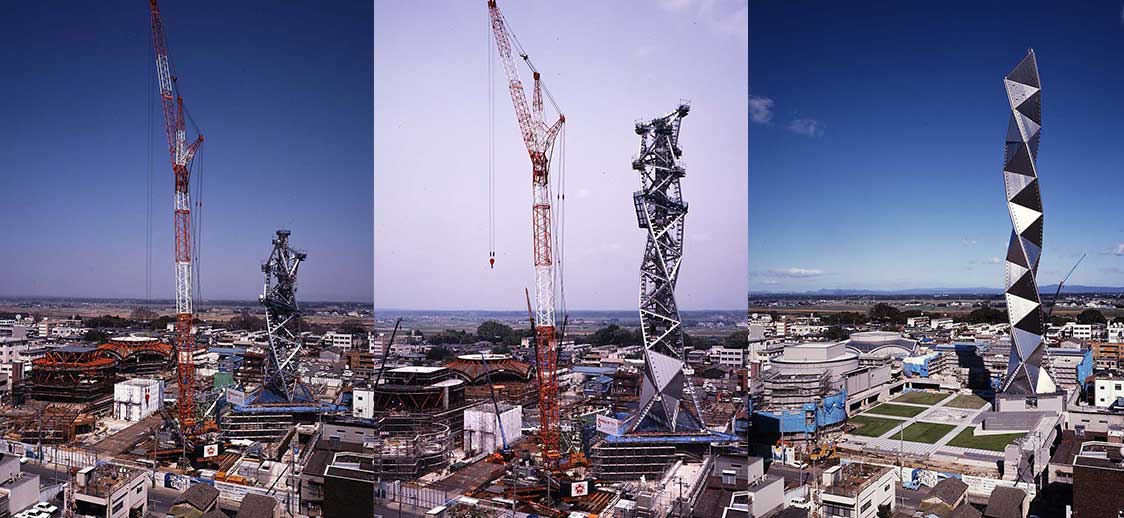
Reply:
x=843, y=318
x=107, y=321
x=885, y=313
x=142, y=313
x=1060, y=320
x=437, y=354
x=1091, y=316
x=615, y=335
x=96, y=336
x=986, y=314
x=836, y=333
x=246, y=322
x=737, y=340
x=496, y=333
x=161, y=323
x=884, y=511
x=352, y=326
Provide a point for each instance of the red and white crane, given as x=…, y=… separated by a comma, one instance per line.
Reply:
x=182, y=154
x=539, y=138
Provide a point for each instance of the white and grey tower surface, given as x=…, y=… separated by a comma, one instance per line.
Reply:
x=667, y=400
x=280, y=381
x=1027, y=372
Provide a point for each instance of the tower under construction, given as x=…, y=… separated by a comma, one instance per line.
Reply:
x=282, y=400
x=668, y=426
x=667, y=401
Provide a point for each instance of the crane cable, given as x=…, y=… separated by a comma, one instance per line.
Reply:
x=491, y=153
x=149, y=173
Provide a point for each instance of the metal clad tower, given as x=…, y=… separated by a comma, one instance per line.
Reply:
x=279, y=298
x=1026, y=373
x=667, y=400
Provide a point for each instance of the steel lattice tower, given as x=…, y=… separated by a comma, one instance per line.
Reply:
x=1026, y=372
x=667, y=400
x=280, y=301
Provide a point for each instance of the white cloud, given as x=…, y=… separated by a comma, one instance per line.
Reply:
x=760, y=109
x=994, y=260
x=806, y=127
x=1117, y=249
x=796, y=273
x=968, y=242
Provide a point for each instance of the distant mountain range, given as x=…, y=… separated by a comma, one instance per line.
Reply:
x=1074, y=289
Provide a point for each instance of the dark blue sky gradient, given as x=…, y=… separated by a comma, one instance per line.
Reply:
x=282, y=92
x=903, y=188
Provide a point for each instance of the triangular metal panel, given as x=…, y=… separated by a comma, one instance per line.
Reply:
x=1023, y=217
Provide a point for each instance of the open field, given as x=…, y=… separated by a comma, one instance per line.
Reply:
x=928, y=433
x=966, y=439
x=869, y=426
x=895, y=410
x=966, y=401
x=921, y=398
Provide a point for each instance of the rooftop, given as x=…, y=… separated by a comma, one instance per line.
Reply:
x=852, y=478
x=417, y=369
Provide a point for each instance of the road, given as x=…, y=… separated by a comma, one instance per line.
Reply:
x=160, y=499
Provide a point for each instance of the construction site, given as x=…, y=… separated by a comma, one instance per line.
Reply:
x=337, y=421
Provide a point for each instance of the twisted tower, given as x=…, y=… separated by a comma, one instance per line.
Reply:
x=279, y=297
x=1026, y=374
x=667, y=400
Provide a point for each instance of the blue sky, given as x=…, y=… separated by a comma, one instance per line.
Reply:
x=282, y=92
x=608, y=64
x=876, y=141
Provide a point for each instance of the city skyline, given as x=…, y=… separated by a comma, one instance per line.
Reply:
x=886, y=162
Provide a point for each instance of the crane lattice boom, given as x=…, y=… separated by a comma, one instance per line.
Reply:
x=539, y=139
x=181, y=154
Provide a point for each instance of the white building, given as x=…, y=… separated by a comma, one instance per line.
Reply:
x=112, y=491
x=12, y=349
x=483, y=433
x=1116, y=332
x=941, y=323
x=1107, y=391
x=731, y=357
x=857, y=490
x=1075, y=331
x=922, y=321
x=20, y=490
x=137, y=399
x=342, y=341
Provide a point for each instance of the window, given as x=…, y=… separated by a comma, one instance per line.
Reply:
x=866, y=506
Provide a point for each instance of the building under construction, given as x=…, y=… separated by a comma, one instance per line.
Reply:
x=500, y=374
x=349, y=454
x=414, y=398
x=82, y=374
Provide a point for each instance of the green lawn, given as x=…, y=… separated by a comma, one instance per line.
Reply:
x=928, y=433
x=896, y=410
x=869, y=426
x=921, y=398
x=966, y=401
x=996, y=442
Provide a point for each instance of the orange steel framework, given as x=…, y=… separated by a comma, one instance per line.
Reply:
x=182, y=155
x=539, y=139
